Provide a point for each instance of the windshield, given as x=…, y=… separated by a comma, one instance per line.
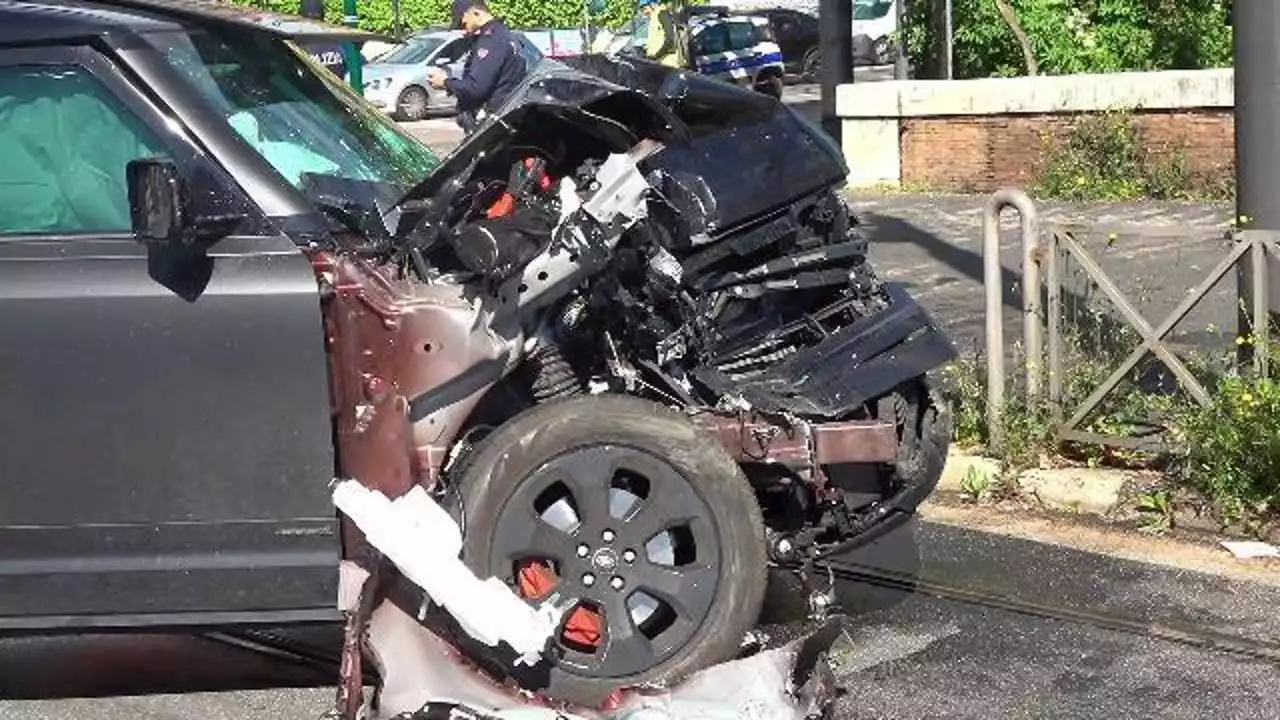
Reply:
x=412, y=52
x=297, y=116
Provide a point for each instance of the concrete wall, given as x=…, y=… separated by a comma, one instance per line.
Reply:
x=982, y=134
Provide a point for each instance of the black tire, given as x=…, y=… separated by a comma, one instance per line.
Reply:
x=506, y=471
x=413, y=104
x=884, y=52
x=924, y=434
x=770, y=85
x=864, y=52
x=811, y=65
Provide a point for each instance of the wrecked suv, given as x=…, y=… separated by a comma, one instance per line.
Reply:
x=626, y=337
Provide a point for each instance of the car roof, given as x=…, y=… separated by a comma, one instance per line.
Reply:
x=435, y=33
x=31, y=21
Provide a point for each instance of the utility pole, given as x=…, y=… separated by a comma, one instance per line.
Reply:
x=948, y=41
x=901, y=66
x=835, y=40
x=1256, y=38
x=355, y=61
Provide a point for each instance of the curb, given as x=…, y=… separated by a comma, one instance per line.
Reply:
x=1096, y=491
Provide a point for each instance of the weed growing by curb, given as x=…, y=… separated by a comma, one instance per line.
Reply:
x=1227, y=454
x=1104, y=157
x=1232, y=451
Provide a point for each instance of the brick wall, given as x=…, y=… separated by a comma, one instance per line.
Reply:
x=983, y=153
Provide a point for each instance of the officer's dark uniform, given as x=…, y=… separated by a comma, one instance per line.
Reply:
x=492, y=71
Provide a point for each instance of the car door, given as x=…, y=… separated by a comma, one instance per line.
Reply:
x=710, y=50
x=453, y=55
x=165, y=426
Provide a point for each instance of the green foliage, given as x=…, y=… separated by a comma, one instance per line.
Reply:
x=1233, y=450
x=1158, y=508
x=1079, y=36
x=1103, y=157
x=376, y=15
x=977, y=486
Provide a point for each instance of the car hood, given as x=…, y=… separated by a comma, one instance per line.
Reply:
x=751, y=153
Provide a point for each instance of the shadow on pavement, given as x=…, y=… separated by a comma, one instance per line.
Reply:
x=89, y=666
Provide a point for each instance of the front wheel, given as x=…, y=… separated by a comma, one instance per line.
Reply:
x=811, y=66
x=770, y=85
x=413, y=103
x=635, y=516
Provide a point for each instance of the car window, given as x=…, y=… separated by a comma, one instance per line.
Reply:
x=66, y=142
x=300, y=122
x=412, y=52
x=531, y=53
x=712, y=40
x=453, y=51
x=742, y=36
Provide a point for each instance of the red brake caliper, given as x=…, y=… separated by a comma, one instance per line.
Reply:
x=583, y=628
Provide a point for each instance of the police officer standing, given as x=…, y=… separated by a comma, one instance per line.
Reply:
x=493, y=69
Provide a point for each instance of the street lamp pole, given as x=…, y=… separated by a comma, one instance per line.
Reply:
x=835, y=42
x=1256, y=38
x=355, y=61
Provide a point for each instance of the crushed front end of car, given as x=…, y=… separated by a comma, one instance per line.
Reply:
x=631, y=286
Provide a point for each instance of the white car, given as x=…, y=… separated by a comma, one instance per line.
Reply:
x=396, y=82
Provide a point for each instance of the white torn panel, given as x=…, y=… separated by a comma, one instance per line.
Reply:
x=424, y=542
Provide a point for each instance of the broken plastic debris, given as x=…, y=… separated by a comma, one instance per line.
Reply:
x=1250, y=549
x=793, y=682
x=425, y=543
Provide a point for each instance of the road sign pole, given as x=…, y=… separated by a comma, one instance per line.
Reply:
x=1257, y=134
x=835, y=40
x=355, y=61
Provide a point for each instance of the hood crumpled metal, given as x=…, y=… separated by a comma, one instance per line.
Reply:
x=752, y=153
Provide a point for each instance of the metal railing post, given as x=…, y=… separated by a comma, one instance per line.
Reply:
x=991, y=278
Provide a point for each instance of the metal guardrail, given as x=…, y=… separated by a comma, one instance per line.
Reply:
x=1050, y=249
x=991, y=280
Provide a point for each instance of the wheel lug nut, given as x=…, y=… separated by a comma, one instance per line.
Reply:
x=588, y=579
x=617, y=583
x=629, y=556
x=583, y=551
x=608, y=535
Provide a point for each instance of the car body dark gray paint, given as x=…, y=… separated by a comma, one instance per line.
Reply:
x=166, y=428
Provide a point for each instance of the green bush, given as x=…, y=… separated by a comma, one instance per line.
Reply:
x=1233, y=450
x=376, y=15
x=1080, y=36
x=1102, y=157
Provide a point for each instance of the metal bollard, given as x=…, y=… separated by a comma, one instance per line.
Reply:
x=1018, y=200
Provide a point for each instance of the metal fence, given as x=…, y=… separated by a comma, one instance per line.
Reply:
x=1044, y=252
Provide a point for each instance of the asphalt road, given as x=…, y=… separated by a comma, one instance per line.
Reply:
x=911, y=656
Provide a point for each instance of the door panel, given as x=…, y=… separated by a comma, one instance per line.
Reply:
x=165, y=427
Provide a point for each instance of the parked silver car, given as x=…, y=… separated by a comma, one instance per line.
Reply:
x=396, y=82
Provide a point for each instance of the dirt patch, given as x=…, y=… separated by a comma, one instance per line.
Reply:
x=1185, y=551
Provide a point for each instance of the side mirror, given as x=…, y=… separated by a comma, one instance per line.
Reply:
x=157, y=202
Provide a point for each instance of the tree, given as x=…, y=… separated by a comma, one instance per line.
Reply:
x=1024, y=42
x=1076, y=36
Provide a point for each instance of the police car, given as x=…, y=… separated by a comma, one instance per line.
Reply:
x=737, y=48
